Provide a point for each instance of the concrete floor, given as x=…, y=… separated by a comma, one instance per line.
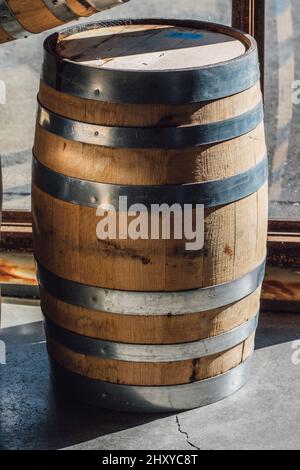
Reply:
x=264, y=415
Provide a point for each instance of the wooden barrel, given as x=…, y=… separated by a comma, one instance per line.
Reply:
x=20, y=18
x=171, y=115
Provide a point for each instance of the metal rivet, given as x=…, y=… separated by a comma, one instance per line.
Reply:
x=97, y=92
x=93, y=199
x=96, y=133
x=103, y=395
x=94, y=299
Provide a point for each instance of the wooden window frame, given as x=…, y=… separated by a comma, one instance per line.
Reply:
x=281, y=290
x=250, y=17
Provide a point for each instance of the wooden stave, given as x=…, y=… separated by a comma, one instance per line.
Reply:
x=57, y=142
x=41, y=200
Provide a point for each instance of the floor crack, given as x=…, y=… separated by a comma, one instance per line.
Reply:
x=185, y=434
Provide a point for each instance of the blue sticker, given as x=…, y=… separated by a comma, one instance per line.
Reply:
x=181, y=35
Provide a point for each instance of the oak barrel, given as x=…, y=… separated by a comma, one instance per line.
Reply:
x=160, y=112
x=19, y=18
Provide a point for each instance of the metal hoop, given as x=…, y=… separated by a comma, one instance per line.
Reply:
x=90, y=194
x=152, y=399
x=9, y=22
x=138, y=137
x=61, y=10
x=151, y=353
x=150, y=303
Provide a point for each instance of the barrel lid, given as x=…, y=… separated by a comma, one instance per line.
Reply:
x=149, y=47
x=151, y=61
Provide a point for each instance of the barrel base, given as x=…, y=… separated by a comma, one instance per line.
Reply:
x=136, y=399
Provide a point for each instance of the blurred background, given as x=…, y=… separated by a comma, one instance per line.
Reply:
x=20, y=64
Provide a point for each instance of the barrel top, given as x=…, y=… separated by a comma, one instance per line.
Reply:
x=150, y=61
x=148, y=47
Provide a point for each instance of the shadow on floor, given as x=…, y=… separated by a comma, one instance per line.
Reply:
x=35, y=415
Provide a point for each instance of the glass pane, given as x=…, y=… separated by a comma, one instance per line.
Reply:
x=282, y=116
x=20, y=64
